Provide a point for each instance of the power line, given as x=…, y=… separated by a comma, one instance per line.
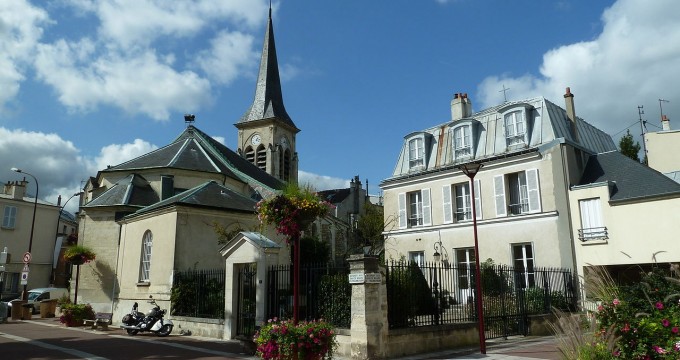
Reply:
x=628, y=127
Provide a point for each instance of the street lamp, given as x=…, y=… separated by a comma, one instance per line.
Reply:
x=437, y=247
x=471, y=169
x=24, y=296
x=56, y=234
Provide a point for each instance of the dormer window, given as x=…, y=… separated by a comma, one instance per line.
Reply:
x=416, y=152
x=462, y=141
x=515, y=127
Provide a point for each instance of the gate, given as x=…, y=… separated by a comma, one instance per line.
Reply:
x=245, y=316
x=505, y=307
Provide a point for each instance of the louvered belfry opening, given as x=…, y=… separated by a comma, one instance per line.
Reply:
x=261, y=158
x=250, y=155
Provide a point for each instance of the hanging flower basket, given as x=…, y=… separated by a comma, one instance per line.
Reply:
x=78, y=254
x=293, y=210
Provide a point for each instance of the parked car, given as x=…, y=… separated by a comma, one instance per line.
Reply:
x=35, y=296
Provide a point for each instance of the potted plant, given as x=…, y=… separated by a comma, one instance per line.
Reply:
x=75, y=314
x=292, y=210
x=78, y=254
x=282, y=339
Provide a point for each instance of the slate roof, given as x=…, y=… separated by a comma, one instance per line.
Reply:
x=334, y=196
x=207, y=195
x=632, y=180
x=268, y=101
x=132, y=190
x=195, y=150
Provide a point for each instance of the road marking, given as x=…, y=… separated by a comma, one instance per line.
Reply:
x=78, y=353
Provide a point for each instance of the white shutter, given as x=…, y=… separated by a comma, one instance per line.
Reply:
x=499, y=195
x=402, y=210
x=427, y=209
x=448, y=212
x=478, y=199
x=533, y=190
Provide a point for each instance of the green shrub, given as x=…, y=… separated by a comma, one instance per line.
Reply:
x=75, y=314
x=411, y=294
x=335, y=295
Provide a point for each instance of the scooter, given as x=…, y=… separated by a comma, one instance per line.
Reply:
x=153, y=321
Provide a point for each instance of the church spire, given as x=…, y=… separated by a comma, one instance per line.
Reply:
x=268, y=101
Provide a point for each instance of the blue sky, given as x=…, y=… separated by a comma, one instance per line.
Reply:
x=90, y=83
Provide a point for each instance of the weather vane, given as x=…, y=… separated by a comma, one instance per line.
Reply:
x=189, y=118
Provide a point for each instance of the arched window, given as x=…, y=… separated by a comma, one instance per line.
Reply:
x=250, y=155
x=145, y=259
x=286, y=165
x=261, y=155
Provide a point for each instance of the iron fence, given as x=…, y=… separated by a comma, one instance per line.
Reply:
x=439, y=293
x=198, y=293
x=325, y=293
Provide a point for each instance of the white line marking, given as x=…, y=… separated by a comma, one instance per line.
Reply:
x=78, y=353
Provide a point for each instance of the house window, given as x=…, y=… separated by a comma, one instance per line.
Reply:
x=417, y=257
x=592, y=225
x=458, y=202
x=515, y=128
x=414, y=209
x=145, y=260
x=462, y=144
x=416, y=152
x=517, y=193
x=523, y=260
x=9, y=217
x=465, y=261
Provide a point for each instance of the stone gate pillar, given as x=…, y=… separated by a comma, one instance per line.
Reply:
x=369, y=326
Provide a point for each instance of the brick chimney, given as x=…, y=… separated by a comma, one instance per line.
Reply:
x=665, y=123
x=571, y=113
x=461, y=106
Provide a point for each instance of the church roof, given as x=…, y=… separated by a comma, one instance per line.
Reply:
x=268, y=101
x=195, y=150
x=207, y=195
x=132, y=190
x=630, y=179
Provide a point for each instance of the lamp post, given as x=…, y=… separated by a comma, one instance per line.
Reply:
x=56, y=234
x=24, y=296
x=471, y=169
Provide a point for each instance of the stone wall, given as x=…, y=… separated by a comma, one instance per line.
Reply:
x=211, y=328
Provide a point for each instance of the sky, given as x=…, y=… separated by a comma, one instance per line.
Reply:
x=90, y=83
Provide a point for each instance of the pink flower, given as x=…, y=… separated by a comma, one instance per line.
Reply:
x=659, y=350
x=600, y=308
x=626, y=328
x=674, y=330
x=616, y=302
x=659, y=305
x=665, y=322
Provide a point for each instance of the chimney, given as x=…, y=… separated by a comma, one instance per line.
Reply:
x=16, y=189
x=461, y=106
x=571, y=113
x=665, y=123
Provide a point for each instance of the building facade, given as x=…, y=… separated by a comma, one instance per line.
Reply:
x=531, y=152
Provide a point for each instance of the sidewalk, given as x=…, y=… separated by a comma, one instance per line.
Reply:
x=514, y=348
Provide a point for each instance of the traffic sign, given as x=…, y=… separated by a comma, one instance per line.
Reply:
x=24, y=277
x=25, y=269
x=27, y=257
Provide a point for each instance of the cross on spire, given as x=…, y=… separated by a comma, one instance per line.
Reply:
x=505, y=97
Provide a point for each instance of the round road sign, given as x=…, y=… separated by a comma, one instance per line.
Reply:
x=27, y=257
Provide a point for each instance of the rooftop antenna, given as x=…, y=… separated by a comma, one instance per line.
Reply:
x=661, y=109
x=642, y=128
x=505, y=97
x=189, y=119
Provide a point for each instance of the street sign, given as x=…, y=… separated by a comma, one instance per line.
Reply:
x=24, y=277
x=27, y=257
x=25, y=269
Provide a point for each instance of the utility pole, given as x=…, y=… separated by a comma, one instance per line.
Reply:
x=642, y=129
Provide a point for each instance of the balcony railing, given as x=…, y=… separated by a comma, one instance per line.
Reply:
x=596, y=233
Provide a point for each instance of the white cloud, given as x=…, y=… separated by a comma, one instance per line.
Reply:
x=632, y=62
x=116, y=154
x=19, y=33
x=321, y=182
x=229, y=54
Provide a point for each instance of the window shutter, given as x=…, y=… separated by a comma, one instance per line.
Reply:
x=402, y=210
x=448, y=212
x=427, y=209
x=478, y=199
x=499, y=195
x=533, y=190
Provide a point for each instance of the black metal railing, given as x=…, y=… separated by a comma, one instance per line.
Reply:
x=198, y=293
x=439, y=293
x=325, y=293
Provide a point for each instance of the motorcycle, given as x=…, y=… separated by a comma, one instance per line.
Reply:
x=152, y=321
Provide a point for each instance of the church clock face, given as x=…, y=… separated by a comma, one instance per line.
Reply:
x=256, y=140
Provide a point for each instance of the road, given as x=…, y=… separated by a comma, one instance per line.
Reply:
x=48, y=339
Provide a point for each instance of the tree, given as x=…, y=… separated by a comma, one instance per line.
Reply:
x=628, y=148
x=371, y=225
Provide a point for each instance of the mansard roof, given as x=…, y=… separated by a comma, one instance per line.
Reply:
x=629, y=179
x=546, y=124
x=268, y=101
x=207, y=195
x=194, y=150
x=133, y=190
